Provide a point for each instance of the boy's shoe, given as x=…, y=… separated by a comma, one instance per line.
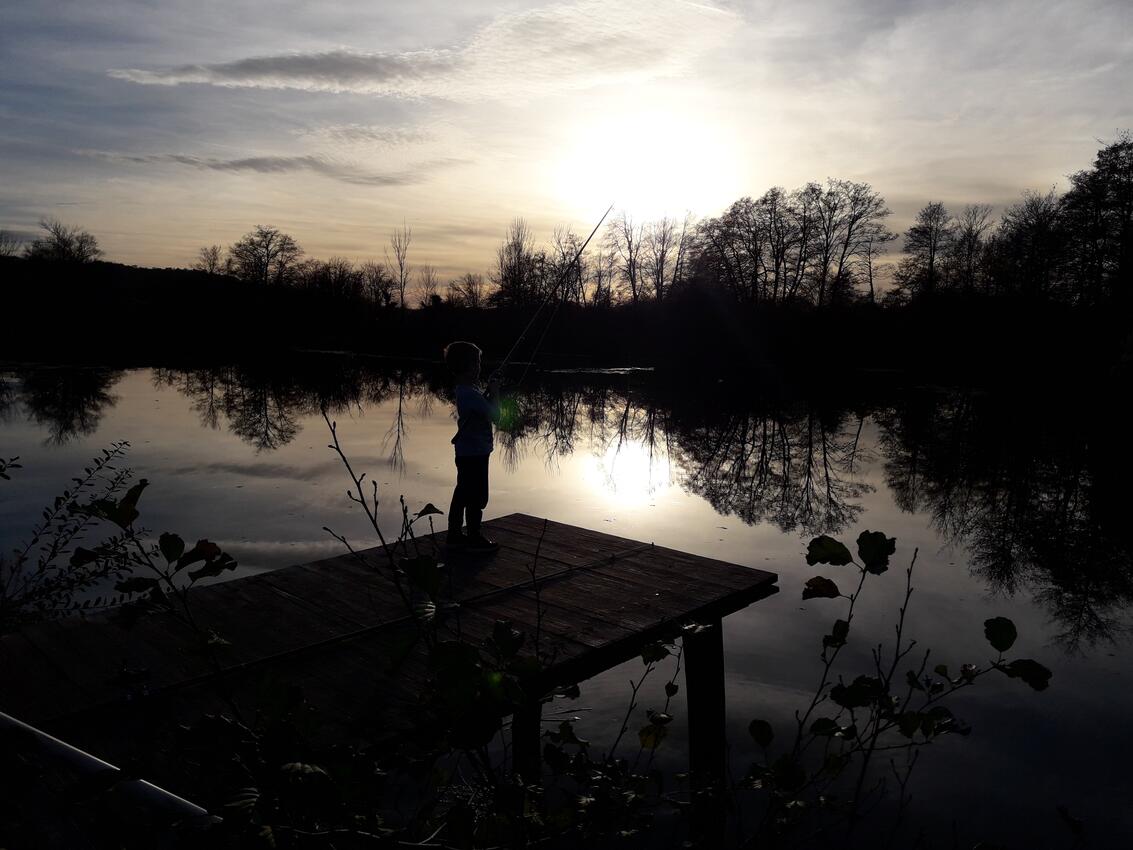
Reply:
x=480, y=543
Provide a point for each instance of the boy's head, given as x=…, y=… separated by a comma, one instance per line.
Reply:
x=463, y=360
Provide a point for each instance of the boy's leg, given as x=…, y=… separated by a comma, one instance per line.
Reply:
x=477, y=481
x=477, y=501
x=459, y=502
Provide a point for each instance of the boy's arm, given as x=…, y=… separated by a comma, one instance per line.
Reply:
x=493, y=399
x=484, y=404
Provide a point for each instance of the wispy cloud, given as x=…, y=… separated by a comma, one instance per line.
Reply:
x=539, y=51
x=363, y=134
x=322, y=166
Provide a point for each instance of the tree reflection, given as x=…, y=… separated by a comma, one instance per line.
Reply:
x=1019, y=490
x=1035, y=496
x=68, y=402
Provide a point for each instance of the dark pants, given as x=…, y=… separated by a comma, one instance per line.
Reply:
x=471, y=494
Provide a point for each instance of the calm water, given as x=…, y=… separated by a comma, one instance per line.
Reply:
x=1018, y=508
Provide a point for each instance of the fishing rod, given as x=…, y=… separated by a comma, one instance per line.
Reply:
x=546, y=299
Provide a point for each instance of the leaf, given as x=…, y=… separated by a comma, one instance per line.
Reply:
x=423, y=574
x=213, y=567
x=671, y=689
x=941, y=670
x=125, y=511
x=429, y=510
x=82, y=557
x=824, y=727
x=913, y=681
x=820, y=587
x=659, y=718
x=761, y=732
x=652, y=735
x=424, y=610
x=861, y=692
x=1000, y=633
x=172, y=546
x=827, y=550
x=136, y=584
x=654, y=652
x=202, y=551
x=874, y=548
x=1031, y=672
x=302, y=770
x=909, y=722
x=788, y=774
x=838, y=635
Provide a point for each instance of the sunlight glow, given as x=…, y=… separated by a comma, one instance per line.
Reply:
x=629, y=474
x=650, y=163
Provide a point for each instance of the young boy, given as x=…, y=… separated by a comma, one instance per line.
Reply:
x=476, y=412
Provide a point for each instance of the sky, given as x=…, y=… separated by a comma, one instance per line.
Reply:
x=166, y=126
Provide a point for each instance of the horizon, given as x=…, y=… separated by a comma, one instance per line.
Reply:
x=161, y=133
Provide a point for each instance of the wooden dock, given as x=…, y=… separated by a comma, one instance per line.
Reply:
x=330, y=628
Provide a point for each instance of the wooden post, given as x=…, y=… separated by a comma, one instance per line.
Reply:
x=704, y=695
x=526, y=735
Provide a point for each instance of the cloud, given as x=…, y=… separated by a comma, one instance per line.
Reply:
x=539, y=51
x=322, y=166
x=363, y=134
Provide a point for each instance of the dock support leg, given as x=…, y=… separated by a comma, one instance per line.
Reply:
x=704, y=693
x=526, y=759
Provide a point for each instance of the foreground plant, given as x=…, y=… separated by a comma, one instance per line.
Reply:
x=826, y=773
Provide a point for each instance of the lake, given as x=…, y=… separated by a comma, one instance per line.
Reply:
x=1016, y=503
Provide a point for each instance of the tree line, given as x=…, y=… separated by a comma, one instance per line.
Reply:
x=820, y=244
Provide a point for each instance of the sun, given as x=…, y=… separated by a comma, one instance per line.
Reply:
x=631, y=473
x=650, y=163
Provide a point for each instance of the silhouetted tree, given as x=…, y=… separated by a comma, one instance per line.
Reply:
x=9, y=244
x=379, y=285
x=965, y=259
x=265, y=256
x=925, y=245
x=399, y=264
x=1029, y=248
x=1098, y=212
x=518, y=274
x=210, y=260
x=64, y=244
x=468, y=290
x=427, y=285
x=625, y=240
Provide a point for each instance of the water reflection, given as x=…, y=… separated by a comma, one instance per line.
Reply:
x=68, y=402
x=1025, y=499
x=1033, y=493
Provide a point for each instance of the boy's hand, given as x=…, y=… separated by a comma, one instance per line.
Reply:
x=493, y=386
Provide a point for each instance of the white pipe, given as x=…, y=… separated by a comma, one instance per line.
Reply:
x=166, y=808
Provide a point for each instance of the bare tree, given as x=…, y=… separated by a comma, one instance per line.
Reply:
x=9, y=244
x=468, y=290
x=265, y=256
x=399, y=265
x=379, y=285
x=659, y=246
x=625, y=240
x=564, y=273
x=518, y=274
x=427, y=285
x=63, y=243
x=602, y=270
x=210, y=260
x=925, y=244
x=971, y=226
